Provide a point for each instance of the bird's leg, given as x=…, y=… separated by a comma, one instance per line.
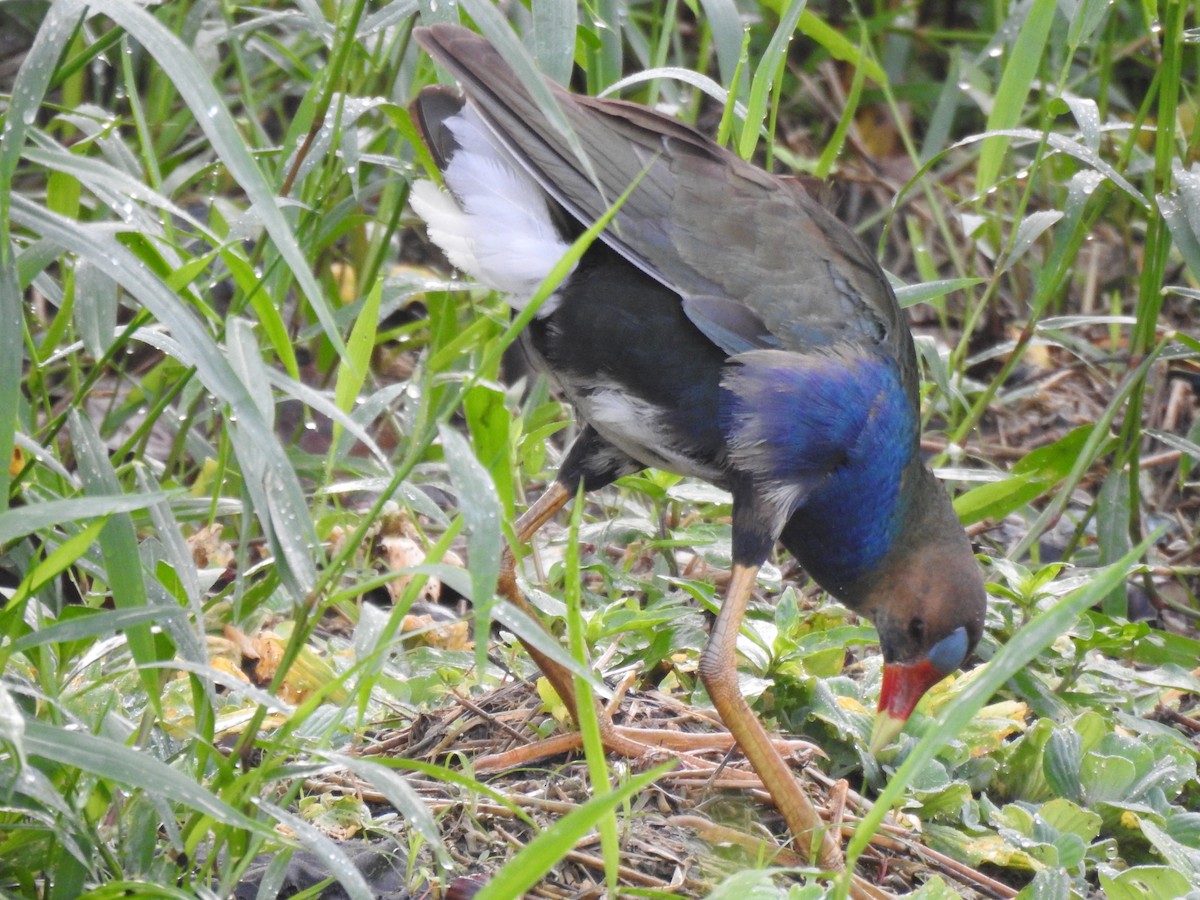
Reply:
x=560, y=677
x=718, y=671
x=542, y=511
x=591, y=461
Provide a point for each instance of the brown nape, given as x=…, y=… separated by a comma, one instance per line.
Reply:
x=930, y=584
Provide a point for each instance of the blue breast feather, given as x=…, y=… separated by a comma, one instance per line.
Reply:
x=827, y=435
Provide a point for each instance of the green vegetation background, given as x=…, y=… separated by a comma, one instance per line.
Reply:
x=228, y=370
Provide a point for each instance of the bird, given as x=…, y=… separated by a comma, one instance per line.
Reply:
x=725, y=326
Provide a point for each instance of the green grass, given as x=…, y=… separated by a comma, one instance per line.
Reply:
x=204, y=325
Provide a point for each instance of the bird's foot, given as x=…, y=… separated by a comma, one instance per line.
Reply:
x=721, y=742
x=628, y=743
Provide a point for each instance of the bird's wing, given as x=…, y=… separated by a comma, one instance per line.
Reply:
x=712, y=227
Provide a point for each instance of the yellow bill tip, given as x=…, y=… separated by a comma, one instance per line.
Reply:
x=887, y=728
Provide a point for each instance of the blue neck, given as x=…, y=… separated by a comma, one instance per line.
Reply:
x=841, y=429
x=845, y=528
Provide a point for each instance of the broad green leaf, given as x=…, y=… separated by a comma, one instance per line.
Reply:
x=1024, y=776
x=1107, y=779
x=1184, y=827
x=1061, y=763
x=1144, y=883
x=979, y=849
x=1065, y=816
x=1033, y=475
x=1047, y=884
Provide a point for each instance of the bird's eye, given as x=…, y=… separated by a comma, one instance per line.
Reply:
x=916, y=629
x=948, y=653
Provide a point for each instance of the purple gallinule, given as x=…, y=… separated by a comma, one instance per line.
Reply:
x=724, y=326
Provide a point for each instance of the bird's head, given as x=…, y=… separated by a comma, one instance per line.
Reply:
x=922, y=587
x=927, y=602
